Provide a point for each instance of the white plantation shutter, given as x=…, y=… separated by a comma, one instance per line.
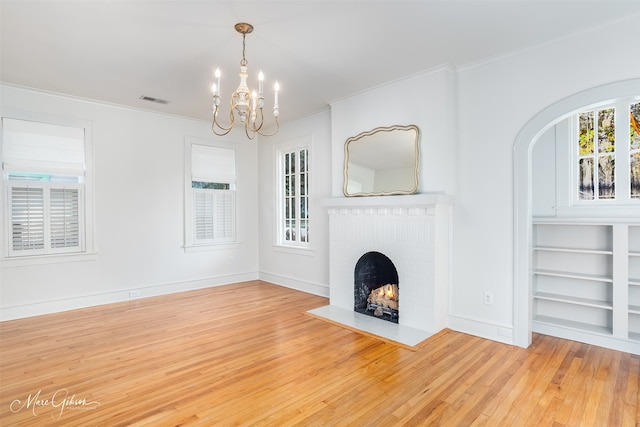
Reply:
x=27, y=219
x=203, y=201
x=65, y=218
x=224, y=215
x=214, y=213
x=45, y=218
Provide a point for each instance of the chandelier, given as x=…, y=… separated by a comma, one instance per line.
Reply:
x=246, y=104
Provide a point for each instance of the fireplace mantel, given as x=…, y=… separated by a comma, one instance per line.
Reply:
x=402, y=201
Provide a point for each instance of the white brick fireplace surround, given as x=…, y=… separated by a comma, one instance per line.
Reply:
x=414, y=232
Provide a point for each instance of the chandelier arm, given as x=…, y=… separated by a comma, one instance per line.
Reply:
x=225, y=130
x=247, y=129
x=253, y=126
x=274, y=132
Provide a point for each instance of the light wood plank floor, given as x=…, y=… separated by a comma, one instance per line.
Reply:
x=247, y=354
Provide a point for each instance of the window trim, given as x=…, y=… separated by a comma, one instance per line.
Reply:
x=296, y=144
x=88, y=246
x=190, y=244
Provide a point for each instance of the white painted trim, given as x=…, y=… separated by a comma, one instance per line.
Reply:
x=495, y=331
x=292, y=283
x=522, y=214
x=65, y=304
x=588, y=338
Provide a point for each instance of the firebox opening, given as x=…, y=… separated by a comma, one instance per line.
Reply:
x=376, y=288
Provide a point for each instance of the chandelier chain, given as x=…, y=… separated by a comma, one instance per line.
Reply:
x=244, y=61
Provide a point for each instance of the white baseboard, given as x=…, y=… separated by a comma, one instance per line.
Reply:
x=299, y=285
x=574, y=334
x=47, y=307
x=490, y=330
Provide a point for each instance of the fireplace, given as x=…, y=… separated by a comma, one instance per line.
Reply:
x=375, y=287
x=413, y=231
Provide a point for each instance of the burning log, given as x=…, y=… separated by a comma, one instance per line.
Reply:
x=384, y=297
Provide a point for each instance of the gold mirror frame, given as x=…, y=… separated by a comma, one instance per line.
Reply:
x=392, y=153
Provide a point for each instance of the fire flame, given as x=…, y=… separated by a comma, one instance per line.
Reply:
x=389, y=291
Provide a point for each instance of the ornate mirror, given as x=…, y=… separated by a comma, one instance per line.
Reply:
x=383, y=161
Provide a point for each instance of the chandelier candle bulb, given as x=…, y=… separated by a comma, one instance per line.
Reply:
x=276, y=88
x=217, y=91
x=260, y=83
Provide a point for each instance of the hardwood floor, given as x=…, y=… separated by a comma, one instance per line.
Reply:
x=247, y=354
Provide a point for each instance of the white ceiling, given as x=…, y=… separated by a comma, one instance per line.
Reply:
x=319, y=51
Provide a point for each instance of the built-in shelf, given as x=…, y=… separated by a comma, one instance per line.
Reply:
x=569, y=275
x=586, y=278
x=570, y=324
x=574, y=300
x=573, y=250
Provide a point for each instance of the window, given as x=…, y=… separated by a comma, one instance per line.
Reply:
x=634, y=149
x=210, y=196
x=608, y=153
x=44, y=179
x=294, y=221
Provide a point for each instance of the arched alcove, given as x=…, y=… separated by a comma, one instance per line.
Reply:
x=522, y=188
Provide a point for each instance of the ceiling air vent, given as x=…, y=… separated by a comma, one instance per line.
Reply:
x=152, y=99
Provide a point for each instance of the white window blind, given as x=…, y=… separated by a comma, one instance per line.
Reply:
x=42, y=148
x=213, y=164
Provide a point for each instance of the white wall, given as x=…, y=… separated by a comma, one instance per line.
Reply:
x=543, y=163
x=303, y=269
x=496, y=99
x=139, y=174
x=426, y=100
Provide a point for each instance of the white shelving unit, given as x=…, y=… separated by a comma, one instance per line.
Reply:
x=586, y=281
x=634, y=283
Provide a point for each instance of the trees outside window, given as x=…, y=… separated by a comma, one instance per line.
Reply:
x=608, y=156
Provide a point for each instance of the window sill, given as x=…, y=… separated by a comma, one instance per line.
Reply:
x=212, y=247
x=600, y=210
x=296, y=250
x=26, y=261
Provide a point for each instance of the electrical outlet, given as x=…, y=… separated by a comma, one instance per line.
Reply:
x=488, y=298
x=134, y=294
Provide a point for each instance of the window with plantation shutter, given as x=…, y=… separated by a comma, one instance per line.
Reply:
x=210, y=197
x=44, y=176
